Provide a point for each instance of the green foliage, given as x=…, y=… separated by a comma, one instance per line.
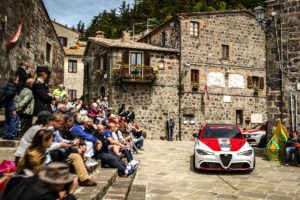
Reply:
x=113, y=22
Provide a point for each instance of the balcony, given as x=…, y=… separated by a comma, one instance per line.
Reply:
x=134, y=74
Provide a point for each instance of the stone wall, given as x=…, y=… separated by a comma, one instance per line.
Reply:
x=63, y=31
x=36, y=33
x=246, y=40
x=153, y=103
x=74, y=81
x=279, y=105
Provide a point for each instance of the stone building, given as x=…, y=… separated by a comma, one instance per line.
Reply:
x=225, y=53
x=38, y=42
x=73, y=63
x=137, y=74
x=283, y=62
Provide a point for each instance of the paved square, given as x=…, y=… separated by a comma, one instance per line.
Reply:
x=166, y=171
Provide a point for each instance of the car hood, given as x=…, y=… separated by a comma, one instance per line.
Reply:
x=223, y=144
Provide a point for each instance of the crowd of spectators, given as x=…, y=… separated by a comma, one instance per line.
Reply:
x=58, y=134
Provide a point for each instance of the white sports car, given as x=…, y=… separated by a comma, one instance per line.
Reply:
x=222, y=147
x=256, y=137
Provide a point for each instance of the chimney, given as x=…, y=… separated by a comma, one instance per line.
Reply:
x=126, y=36
x=99, y=34
x=77, y=45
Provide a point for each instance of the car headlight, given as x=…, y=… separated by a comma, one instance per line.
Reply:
x=203, y=152
x=246, y=153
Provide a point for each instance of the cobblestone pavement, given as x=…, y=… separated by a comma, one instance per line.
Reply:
x=167, y=173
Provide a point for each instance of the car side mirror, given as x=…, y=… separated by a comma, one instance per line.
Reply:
x=195, y=135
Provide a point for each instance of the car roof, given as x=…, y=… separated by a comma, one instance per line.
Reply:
x=221, y=124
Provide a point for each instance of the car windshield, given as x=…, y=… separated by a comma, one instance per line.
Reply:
x=222, y=132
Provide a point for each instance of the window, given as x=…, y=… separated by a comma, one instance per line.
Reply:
x=256, y=82
x=225, y=51
x=136, y=58
x=194, y=29
x=194, y=76
x=239, y=117
x=72, y=94
x=101, y=63
x=63, y=41
x=48, y=52
x=72, y=66
x=163, y=38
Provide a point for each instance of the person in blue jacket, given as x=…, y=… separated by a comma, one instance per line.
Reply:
x=78, y=131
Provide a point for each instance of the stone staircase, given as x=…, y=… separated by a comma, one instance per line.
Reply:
x=109, y=184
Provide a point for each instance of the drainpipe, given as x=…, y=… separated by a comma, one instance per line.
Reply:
x=296, y=112
x=180, y=82
x=292, y=110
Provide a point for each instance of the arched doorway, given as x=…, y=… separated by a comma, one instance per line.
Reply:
x=102, y=92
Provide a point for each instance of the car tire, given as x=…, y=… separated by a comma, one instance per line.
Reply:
x=194, y=163
x=263, y=142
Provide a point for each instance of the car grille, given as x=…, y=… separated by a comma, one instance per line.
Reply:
x=225, y=158
x=239, y=165
x=211, y=165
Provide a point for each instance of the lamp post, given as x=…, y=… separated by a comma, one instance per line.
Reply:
x=182, y=74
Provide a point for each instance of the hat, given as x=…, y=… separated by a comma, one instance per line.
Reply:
x=45, y=116
x=94, y=104
x=45, y=69
x=56, y=173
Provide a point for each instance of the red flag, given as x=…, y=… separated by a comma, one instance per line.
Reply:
x=13, y=41
x=205, y=96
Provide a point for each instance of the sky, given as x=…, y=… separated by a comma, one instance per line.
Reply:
x=69, y=12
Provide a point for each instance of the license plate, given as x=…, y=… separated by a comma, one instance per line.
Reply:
x=225, y=145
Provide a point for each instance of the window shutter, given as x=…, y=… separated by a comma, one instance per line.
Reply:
x=250, y=82
x=105, y=62
x=147, y=58
x=125, y=58
x=261, y=83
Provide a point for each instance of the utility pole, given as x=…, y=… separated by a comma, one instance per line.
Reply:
x=148, y=25
x=133, y=30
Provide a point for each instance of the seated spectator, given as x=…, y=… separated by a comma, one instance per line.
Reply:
x=117, y=134
x=78, y=130
x=44, y=119
x=114, y=145
x=94, y=112
x=108, y=158
x=33, y=160
x=53, y=183
x=292, y=141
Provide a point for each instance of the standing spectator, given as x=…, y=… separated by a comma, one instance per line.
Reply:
x=170, y=129
x=22, y=75
x=130, y=116
x=25, y=106
x=122, y=111
x=40, y=89
x=60, y=92
x=10, y=127
x=105, y=103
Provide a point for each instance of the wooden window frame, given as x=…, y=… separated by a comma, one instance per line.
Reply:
x=72, y=68
x=194, y=76
x=48, y=55
x=225, y=51
x=240, y=115
x=70, y=92
x=136, y=52
x=63, y=41
x=163, y=38
x=193, y=27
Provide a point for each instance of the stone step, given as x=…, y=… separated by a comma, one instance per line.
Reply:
x=7, y=153
x=104, y=177
x=9, y=143
x=137, y=192
x=121, y=188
